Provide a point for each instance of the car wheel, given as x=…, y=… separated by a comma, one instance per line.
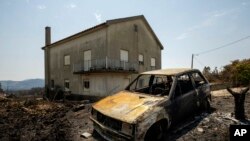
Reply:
x=156, y=133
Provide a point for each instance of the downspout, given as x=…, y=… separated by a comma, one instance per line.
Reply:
x=47, y=55
x=107, y=56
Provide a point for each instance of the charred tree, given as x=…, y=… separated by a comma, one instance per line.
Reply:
x=239, y=99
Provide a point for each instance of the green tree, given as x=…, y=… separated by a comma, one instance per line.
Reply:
x=238, y=72
x=243, y=73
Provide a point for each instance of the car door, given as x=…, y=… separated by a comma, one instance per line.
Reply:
x=201, y=85
x=184, y=97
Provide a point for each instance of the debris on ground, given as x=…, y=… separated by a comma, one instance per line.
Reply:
x=200, y=129
x=79, y=107
x=86, y=135
x=37, y=119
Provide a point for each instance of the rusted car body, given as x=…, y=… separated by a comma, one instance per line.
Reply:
x=151, y=104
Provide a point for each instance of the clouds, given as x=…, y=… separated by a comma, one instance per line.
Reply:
x=68, y=6
x=182, y=36
x=98, y=17
x=71, y=6
x=213, y=18
x=244, y=3
x=219, y=13
x=210, y=20
x=41, y=7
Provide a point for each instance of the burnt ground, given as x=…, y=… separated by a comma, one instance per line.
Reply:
x=215, y=125
x=36, y=119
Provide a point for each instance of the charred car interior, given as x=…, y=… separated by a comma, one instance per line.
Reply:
x=158, y=85
x=151, y=104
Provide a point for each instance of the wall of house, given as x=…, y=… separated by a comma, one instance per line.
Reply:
x=148, y=46
x=103, y=84
x=105, y=42
x=123, y=36
x=95, y=41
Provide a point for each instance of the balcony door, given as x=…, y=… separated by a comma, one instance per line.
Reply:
x=124, y=58
x=87, y=60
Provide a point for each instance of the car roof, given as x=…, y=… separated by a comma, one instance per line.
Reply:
x=171, y=71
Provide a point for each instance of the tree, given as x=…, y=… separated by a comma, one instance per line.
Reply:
x=243, y=73
x=206, y=70
x=239, y=99
x=215, y=71
x=238, y=72
x=212, y=76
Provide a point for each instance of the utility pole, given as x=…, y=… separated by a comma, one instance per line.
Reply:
x=192, y=61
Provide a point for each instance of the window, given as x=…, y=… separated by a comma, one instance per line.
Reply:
x=66, y=84
x=152, y=62
x=67, y=60
x=143, y=81
x=151, y=84
x=159, y=79
x=135, y=28
x=185, y=83
x=152, y=65
x=86, y=84
x=124, y=55
x=87, y=60
x=124, y=59
x=140, y=58
x=198, y=79
x=140, y=83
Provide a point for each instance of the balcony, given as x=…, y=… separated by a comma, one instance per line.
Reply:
x=105, y=65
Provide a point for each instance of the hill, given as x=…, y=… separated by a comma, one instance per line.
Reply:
x=22, y=85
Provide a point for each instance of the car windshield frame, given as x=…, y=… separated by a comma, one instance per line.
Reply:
x=155, y=84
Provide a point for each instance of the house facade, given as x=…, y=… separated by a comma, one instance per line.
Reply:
x=103, y=59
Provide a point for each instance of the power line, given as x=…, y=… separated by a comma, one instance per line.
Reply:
x=210, y=50
x=231, y=43
x=199, y=61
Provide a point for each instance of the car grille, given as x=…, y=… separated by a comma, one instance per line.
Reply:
x=109, y=122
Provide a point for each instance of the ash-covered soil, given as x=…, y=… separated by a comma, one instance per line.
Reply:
x=37, y=119
x=212, y=126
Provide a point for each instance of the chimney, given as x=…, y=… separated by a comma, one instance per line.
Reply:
x=47, y=36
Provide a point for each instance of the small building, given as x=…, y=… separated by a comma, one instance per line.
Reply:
x=103, y=59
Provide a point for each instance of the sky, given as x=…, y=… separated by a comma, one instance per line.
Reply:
x=184, y=27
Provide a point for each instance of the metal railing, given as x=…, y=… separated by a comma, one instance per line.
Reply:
x=105, y=64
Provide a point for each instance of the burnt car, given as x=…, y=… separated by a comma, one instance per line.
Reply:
x=150, y=104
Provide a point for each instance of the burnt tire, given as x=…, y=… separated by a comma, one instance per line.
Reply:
x=157, y=132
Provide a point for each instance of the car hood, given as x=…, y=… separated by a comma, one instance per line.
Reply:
x=126, y=106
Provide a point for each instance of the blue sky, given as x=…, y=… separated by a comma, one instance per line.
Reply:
x=183, y=27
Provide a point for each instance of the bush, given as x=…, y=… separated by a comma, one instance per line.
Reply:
x=238, y=72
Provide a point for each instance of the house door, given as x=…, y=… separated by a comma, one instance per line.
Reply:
x=87, y=60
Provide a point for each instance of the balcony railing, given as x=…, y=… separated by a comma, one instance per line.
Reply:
x=105, y=65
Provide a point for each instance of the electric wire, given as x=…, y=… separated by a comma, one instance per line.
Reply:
x=226, y=45
x=199, y=61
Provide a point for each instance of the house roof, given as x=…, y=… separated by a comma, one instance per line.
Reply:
x=172, y=71
x=105, y=24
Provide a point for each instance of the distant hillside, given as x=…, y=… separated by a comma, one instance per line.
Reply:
x=22, y=85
